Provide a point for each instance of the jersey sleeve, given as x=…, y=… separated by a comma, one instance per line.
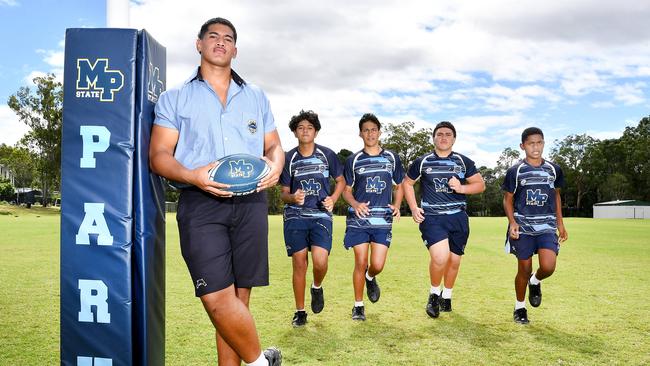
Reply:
x=398, y=170
x=510, y=180
x=335, y=166
x=348, y=171
x=285, y=177
x=470, y=167
x=414, y=169
x=559, y=179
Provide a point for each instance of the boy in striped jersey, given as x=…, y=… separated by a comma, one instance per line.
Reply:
x=446, y=177
x=305, y=182
x=370, y=176
x=534, y=209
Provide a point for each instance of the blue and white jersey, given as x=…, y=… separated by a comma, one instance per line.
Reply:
x=434, y=173
x=534, y=195
x=311, y=174
x=372, y=178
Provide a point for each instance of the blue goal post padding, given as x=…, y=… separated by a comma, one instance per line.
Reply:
x=109, y=242
x=149, y=211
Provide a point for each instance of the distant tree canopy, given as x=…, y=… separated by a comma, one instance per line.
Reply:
x=42, y=112
x=594, y=170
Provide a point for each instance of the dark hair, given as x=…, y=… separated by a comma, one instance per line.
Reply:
x=445, y=124
x=530, y=131
x=369, y=117
x=226, y=22
x=310, y=116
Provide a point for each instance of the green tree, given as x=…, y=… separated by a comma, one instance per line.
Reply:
x=635, y=144
x=42, y=111
x=571, y=154
x=343, y=155
x=406, y=142
x=508, y=158
x=21, y=163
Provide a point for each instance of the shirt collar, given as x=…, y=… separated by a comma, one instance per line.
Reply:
x=197, y=76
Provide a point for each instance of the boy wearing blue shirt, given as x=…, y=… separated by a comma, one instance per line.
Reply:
x=534, y=209
x=370, y=176
x=446, y=177
x=305, y=182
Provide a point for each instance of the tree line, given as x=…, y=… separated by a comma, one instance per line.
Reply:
x=595, y=170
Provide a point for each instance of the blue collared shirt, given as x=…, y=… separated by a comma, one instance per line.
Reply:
x=209, y=131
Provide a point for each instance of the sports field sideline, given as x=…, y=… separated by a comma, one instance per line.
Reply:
x=595, y=308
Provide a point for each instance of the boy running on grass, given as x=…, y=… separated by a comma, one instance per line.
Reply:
x=534, y=209
x=446, y=177
x=371, y=175
x=305, y=182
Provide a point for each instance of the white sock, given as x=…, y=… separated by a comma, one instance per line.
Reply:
x=358, y=303
x=533, y=280
x=435, y=290
x=316, y=287
x=261, y=361
x=368, y=277
x=303, y=309
x=520, y=304
x=446, y=293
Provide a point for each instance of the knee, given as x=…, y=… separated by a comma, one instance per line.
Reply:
x=377, y=267
x=548, y=268
x=361, y=264
x=320, y=265
x=300, y=265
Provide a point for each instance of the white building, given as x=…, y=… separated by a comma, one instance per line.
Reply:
x=626, y=209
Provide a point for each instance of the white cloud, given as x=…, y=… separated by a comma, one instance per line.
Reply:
x=8, y=3
x=29, y=79
x=500, y=65
x=12, y=129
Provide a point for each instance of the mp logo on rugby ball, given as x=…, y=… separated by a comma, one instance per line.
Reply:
x=240, y=169
x=241, y=172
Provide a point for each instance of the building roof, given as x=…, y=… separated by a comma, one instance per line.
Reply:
x=623, y=203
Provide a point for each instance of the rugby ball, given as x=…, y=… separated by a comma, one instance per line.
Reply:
x=242, y=172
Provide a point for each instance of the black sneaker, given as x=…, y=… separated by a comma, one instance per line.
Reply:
x=358, y=313
x=433, y=306
x=520, y=316
x=317, y=300
x=372, y=289
x=274, y=356
x=535, y=294
x=299, y=319
x=445, y=304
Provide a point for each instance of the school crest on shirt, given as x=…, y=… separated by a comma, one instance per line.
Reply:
x=252, y=126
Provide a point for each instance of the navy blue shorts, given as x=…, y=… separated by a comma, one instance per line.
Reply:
x=224, y=241
x=454, y=227
x=303, y=233
x=527, y=245
x=354, y=236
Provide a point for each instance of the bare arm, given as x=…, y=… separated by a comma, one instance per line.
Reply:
x=298, y=197
x=563, y=235
x=474, y=185
x=509, y=208
x=274, y=156
x=409, y=194
x=163, y=163
x=398, y=195
x=330, y=200
x=360, y=208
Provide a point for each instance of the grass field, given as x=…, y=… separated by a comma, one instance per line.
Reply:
x=596, y=307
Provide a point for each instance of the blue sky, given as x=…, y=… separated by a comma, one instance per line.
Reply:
x=493, y=68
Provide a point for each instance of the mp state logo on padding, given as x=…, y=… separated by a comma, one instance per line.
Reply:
x=96, y=80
